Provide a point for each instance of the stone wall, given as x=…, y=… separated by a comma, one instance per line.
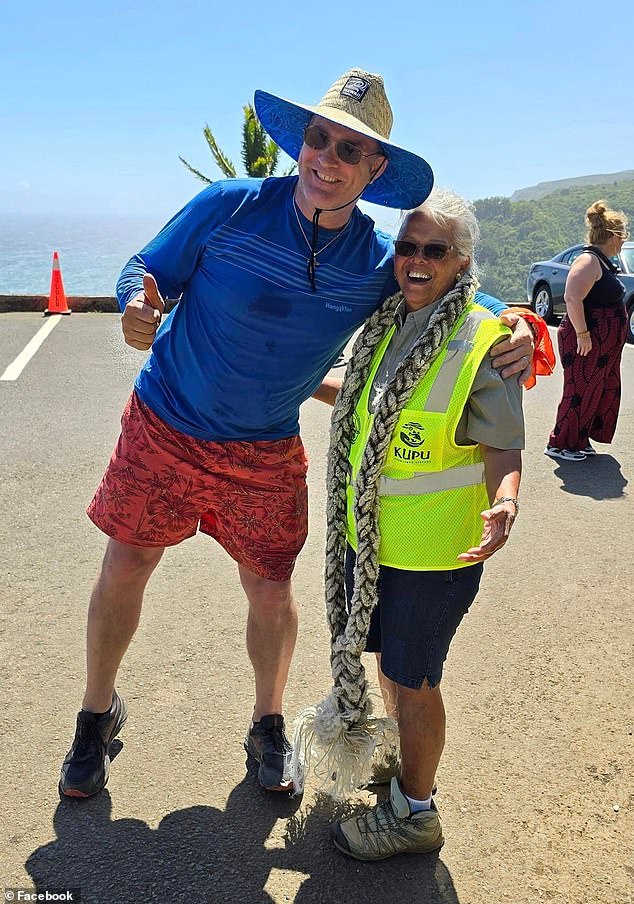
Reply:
x=82, y=304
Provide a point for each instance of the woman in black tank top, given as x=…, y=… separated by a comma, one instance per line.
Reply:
x=591, y=338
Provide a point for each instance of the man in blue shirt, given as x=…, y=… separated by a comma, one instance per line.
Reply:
x=274, y=277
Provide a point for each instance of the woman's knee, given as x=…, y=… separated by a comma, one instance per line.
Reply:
x=417, y=696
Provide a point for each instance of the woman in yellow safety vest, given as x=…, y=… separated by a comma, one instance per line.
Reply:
x=424, y=473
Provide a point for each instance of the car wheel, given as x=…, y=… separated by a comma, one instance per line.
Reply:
x=543, y=303
x=630, y=320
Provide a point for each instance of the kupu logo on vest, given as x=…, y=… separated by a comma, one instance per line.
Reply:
x=412, y=435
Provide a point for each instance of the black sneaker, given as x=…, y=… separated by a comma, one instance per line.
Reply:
x=267, y=743
x=87, y=764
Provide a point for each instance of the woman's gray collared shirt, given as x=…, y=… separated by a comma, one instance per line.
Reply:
x=493, y=414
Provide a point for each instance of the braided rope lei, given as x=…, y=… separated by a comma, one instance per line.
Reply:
x=340, y=734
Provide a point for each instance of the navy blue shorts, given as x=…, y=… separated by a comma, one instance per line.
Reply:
x=416, y=617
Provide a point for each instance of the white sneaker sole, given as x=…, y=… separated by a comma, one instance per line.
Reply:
x=565, y=455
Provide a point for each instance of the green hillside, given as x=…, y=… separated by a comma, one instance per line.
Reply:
x=535, y=192
x=517, y=233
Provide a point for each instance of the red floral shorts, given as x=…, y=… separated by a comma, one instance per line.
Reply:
x=162, y=485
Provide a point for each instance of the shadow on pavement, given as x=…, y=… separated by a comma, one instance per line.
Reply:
x=335, y=878
x=598, y=477
x=205, y=854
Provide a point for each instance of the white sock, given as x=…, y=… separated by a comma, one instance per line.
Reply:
x=417, y=805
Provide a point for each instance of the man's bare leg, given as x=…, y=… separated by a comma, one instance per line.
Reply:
x=113, y=616
x=271, y=636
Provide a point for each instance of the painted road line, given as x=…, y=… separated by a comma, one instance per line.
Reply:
x=14, y=369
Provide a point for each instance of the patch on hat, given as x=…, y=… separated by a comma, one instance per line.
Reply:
x=355, y=87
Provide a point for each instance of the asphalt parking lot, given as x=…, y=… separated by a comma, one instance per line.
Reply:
x=536, y=787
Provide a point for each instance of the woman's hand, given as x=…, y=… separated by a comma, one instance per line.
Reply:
x=502, y=468
x=498, y=521
x=584, y=344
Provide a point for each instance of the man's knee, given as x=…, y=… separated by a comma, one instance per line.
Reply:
x=266, y=597
x=129, y=564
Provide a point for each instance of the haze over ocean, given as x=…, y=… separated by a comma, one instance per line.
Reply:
x=92, y=251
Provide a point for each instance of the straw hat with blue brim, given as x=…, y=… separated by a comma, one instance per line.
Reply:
x=357, y=101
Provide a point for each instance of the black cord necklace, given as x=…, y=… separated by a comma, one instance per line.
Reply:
x=312, y=263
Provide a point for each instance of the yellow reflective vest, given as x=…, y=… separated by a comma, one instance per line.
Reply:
x=431, y=491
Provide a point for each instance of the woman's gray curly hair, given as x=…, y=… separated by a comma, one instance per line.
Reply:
x=454, y=213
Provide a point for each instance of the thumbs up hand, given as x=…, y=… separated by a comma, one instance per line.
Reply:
x=142, y=315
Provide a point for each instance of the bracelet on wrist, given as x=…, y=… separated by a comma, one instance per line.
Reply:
x=507, y=499
x=583, y=334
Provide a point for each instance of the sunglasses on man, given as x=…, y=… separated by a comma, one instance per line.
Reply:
x=347, y=152
x=432, y=251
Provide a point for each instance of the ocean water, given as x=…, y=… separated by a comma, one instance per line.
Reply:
x=92, y=251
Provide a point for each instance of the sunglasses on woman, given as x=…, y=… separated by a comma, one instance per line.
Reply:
x=433, y=251
x=347, y=152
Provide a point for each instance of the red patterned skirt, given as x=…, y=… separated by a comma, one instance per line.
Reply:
x=589, y=407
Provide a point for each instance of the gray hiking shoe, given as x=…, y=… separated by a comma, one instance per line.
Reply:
x=389, y=828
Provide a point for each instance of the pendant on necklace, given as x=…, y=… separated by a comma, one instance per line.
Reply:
x=316, y=263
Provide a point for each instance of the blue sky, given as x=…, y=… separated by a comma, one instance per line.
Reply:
x=98, y=101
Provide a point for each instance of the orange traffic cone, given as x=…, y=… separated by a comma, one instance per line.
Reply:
x=57, y=303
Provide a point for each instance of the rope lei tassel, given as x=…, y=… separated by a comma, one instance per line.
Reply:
x=338, y=738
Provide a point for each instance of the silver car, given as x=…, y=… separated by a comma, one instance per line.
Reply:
x=546, y=281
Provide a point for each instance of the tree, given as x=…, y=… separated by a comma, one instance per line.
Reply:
x=515, y=234
x=259, y=152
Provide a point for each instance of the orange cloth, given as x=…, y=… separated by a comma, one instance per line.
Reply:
x=544, y=355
